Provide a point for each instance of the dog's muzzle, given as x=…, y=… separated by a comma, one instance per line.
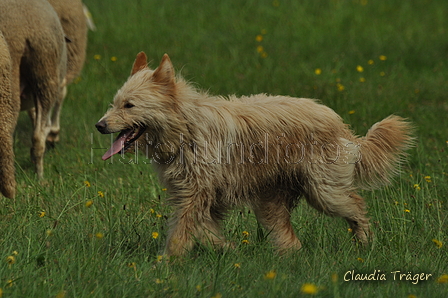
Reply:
x=102, y=127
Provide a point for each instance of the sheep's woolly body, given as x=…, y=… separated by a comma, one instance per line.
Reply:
x=7, y=181
x=213, y=153
x=37, y=48
x=73, y=21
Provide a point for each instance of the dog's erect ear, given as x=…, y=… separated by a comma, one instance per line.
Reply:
x=139, y=63
x=164, y=74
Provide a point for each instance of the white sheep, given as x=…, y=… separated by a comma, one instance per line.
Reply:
x=38, y=53
x=73, y=21
x=7, y=181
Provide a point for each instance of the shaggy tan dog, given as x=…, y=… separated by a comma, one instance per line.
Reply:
x=265, y=152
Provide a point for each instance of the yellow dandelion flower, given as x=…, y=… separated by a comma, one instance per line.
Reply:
x=428, y=178
x=340, y=87
x=370, y=62
x=349, y=230
x=417, y=187
x=270, y=274
x=245, y=241
x=155, y=235
x=260, y=49
x=237, y=265
x=318, y=71
x=259, y=38
x=245, y=233
x=15, y=253
x=164, y=189
x=359, y=68
x=383, y=58
x=362, y=79
x=351, y=112
x=309, y=288
x=99, y=235
x=159, y=281
x=443, y=279
x=438, y=243
x=151, y=210
x=159, y=258
x=407, y=210
x=264, y=54
x=113, y=58
x=89, y=203
x=10, y=260
x=101, y=194
x=87, y=183
x=361, y=260
x=97, y=57
x=41, y=214
x=158, y=215
x=334, y=278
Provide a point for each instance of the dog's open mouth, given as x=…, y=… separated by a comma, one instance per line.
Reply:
x=124, y=141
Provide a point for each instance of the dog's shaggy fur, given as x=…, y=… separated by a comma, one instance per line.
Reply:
x=213, y=153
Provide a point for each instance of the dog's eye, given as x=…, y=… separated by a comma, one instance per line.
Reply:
x=128, y=105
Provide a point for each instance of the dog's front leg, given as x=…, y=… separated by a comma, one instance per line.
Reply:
x=194, y=219
x=182, y=227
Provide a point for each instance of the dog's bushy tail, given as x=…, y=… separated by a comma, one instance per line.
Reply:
x=382, y=151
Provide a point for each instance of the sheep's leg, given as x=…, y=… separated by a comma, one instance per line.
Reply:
x=53, y=135
x=41, y=130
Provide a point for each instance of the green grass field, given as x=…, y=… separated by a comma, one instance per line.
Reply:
x=96, y=229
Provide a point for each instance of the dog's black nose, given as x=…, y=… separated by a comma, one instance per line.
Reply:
x=101, y=126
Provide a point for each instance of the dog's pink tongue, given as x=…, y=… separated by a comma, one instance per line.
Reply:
x=117, y=145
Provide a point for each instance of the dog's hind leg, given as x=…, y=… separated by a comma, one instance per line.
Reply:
x=359, y=223
x=333, y=201
x=274, y=214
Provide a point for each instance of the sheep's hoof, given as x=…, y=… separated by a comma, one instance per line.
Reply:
x=52, y=138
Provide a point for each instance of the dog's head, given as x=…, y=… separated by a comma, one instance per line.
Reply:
x=142, y=104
